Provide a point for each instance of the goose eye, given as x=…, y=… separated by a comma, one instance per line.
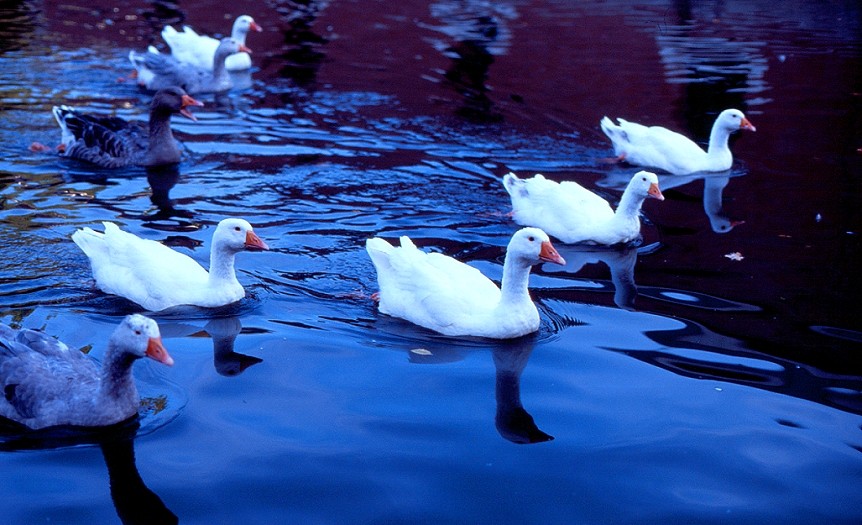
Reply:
x=237, y=228
x=531, y=238
x=137, y=332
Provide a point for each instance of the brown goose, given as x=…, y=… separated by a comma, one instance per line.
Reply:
x=111, y=142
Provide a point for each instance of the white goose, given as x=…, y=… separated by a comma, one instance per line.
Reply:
x=157, y=277
x=659, y=147
x=437, y=292
x=189, y=47
x=572, y=213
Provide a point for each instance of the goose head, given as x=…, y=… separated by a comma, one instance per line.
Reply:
x=236, y=235
x=139, y=336
x=174, y=100
x=532, y=246
x=645, y=183
x=244, y=24
x=733, y=119
x=229, y=46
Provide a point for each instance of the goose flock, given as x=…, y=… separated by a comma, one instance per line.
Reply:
x=45, y=383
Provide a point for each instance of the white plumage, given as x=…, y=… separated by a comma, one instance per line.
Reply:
x=189, y=47
x=157, y=277
x=659, y=147
x=437, y=292
x=572, y=213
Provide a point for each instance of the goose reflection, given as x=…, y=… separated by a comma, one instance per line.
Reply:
x=713, y=198
x=223, y=331
x=713, y=189
x=511, y=420
x=619, y=260
x=162, y=180
x=134, y=502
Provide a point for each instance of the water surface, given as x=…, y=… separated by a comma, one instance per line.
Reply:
x=667, y=383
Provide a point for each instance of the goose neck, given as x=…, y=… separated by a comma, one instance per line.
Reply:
x=630, y=204
x=117, y=379
x=222, y=264
x=160, y=126
x=238, y=34
x=516, y=280
x=219, y=68
x=718, y=138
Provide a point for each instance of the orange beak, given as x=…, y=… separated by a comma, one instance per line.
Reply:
x=745, y=124
x=253, y=242
x=243, y=47
x=157, y=351
x=253, y=25
x=189, y=101
x=654, y=192
x=549, y=254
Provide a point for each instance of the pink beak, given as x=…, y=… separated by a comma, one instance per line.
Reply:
x=745, y=124
x=253, y=242
x=189, y=101
x=157, y=351
x=654, y=192
x=549, y=254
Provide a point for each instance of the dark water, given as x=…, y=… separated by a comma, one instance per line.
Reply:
x=678, y=384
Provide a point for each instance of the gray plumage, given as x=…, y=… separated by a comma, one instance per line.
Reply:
x=111, y=142
x=157, y=70
x=45, y=383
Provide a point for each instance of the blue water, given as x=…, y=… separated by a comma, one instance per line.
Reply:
x=668, y=382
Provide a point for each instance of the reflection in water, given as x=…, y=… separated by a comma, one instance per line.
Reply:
x=620, y=261
x=162, y=13
x=480, y=31
x=17, y=24
x=223, y=331
x=512, y=420
x=689, y=349
x=695, y=351
x=301, y=55
x=162, y=179
x=713, y=188
x=135, y=503
x=713, y=204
